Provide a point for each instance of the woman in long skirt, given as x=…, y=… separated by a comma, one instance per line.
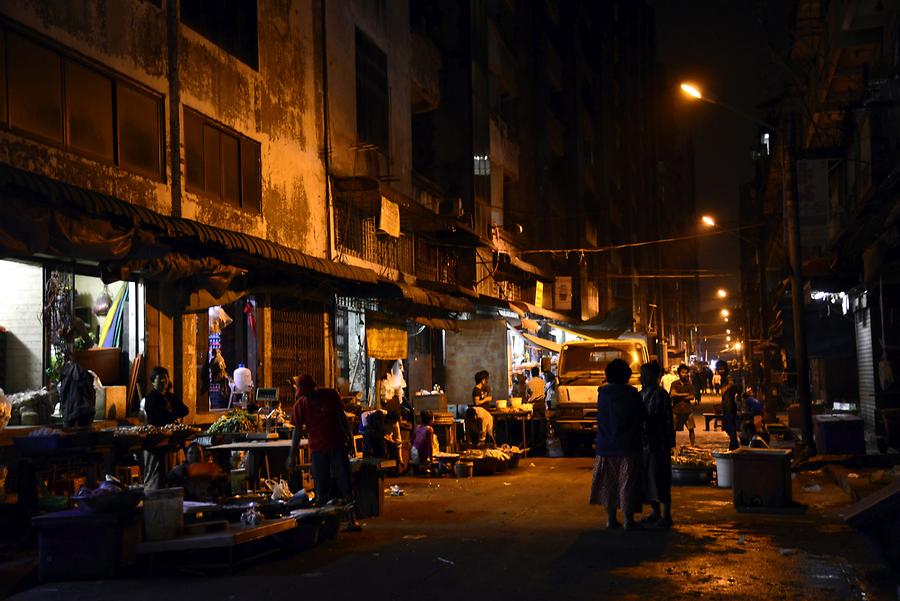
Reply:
x=617, y=467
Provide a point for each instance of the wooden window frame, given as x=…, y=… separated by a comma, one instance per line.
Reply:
x=253, y=205
x=67, y=55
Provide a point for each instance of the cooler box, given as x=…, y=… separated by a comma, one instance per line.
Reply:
x=431, y=402
x=839, y=435
x=761, y=477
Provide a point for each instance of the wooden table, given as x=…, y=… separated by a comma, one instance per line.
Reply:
x=259, y=446
x=508, y=416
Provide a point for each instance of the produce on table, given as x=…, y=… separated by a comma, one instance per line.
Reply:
x=692, y=457
x=5, y=410
x=109, y=486
x=236, y=420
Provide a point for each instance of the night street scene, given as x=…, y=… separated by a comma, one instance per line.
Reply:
x=450, y=299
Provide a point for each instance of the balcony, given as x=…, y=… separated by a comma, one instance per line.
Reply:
x=425, y=74
x=504, y=152
x=556, y=136
x=501, y=61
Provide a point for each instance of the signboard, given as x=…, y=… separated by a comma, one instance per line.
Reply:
x=562, y=293
x=539, y=294
x=389, y=218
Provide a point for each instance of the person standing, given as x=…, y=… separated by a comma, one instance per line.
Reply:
x=659, y=442
x=617, y=466
x=682, y=394
x=668, y=378
x=731, y=396
x=162, y=408
x=321, y=411
x=537, y=396
x=697, y=382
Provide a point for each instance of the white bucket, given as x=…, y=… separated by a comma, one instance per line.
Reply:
x=724, y=468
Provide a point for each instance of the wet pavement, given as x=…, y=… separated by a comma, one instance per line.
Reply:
x=529, y=534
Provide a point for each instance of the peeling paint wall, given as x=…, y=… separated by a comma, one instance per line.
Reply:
x=275, y=106
x=386, y=24
x=127, y=37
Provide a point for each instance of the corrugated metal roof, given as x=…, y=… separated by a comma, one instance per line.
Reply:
x=61, y=195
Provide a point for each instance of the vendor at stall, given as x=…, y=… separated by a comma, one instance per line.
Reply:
x=481, y=394
x=200, y=479
x=162, y=407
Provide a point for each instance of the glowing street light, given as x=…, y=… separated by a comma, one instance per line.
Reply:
x=725, y=313
x=728, y=331
x=722, y=293
x=738, y=346
x=691, y=90
x=728, y=339
x=708, y=220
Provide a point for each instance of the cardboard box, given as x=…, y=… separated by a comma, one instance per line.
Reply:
x=115, y=402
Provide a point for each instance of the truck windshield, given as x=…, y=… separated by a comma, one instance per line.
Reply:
x=594, y=359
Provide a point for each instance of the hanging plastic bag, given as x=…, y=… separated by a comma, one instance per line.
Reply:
x=102, y=303
x=281, y=491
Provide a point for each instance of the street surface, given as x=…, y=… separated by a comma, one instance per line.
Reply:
x=530, y=534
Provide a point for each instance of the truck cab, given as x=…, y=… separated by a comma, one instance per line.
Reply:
x=580, y=373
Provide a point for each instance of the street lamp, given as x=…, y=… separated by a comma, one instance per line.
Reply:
x=721, y=293
x=725, y=312
x=791, y=211
x=708, y=221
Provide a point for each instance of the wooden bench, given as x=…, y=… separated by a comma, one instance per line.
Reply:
x=715, y=418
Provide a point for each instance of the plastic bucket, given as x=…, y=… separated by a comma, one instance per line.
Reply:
x=163, y=513
x=724, y=469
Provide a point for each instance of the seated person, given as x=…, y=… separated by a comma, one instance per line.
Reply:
x=200, y=479
x=479, y=425
x=760, y=426
x=381, y=433
x=752, y=405
x=750, y=438
x=424, y=440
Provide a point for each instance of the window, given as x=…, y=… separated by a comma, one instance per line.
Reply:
x=229, y=24
x=220, y=163
x=50, y=96
x=35, y=89
x=371, y=93
x=138, y=119
x=89, y=122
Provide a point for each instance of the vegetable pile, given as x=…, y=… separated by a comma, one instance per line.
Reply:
x=236, y=420
x=692, y=457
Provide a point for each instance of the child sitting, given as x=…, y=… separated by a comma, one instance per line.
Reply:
x=424, y=440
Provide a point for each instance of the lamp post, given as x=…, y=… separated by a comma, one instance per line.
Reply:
x=792, y=214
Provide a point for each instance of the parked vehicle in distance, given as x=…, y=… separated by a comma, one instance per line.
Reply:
x=581, y=371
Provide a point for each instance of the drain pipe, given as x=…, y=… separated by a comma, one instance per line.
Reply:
x=326, y=157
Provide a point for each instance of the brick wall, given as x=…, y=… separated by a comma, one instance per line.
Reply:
x=20, y=310
x=479, y=344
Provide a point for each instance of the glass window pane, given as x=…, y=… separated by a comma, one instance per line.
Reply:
x=211, y=172
x=139, y=133
x=231, y=170
x=35, y=88
x=193, y=151
x=250, y=185
x=89, y=115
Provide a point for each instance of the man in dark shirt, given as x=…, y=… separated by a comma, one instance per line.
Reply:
x=481, y=394
x=162, y=407
x=321, y=411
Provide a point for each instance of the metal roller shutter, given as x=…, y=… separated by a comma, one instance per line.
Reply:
x=865, y=367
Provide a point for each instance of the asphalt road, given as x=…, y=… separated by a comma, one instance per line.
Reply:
x=530, y=534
